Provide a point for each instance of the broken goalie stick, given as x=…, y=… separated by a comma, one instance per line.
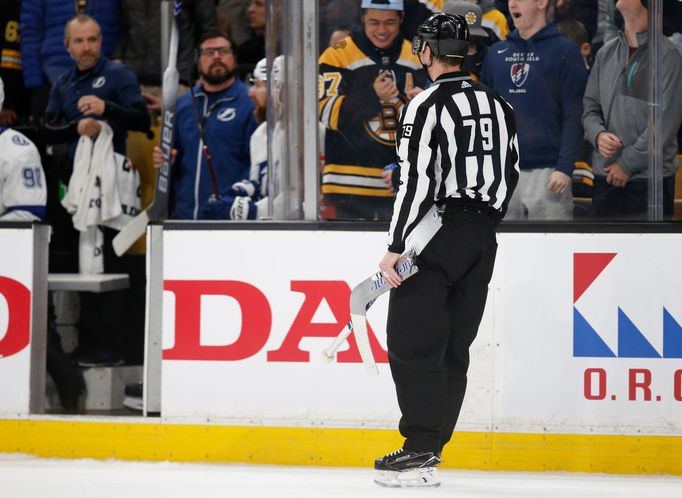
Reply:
x=156, y=211
x=364, y=294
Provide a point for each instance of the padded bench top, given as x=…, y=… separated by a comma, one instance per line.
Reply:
x=102, y=282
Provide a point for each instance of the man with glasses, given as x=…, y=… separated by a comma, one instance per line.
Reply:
x=220, y=106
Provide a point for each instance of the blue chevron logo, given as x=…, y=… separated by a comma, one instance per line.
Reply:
x=587, y=342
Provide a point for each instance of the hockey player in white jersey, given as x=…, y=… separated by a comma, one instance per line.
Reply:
x=23, y=193
x=251, y=195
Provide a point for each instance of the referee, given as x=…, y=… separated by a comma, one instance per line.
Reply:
x=457, y=148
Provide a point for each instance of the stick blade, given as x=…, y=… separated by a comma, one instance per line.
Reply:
x=130, y=233
x=364, y=347
x=363, y=296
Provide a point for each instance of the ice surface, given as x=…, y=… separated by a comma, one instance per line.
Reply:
x=24, y=476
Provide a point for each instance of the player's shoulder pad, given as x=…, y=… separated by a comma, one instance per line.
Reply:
x=407, y=58
x=16, y=146
x=13, y=137
x=343, y=54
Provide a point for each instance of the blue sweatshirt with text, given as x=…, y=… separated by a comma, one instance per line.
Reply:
x=544, y=79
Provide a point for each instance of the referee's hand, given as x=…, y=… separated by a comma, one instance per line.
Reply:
x=387, y=267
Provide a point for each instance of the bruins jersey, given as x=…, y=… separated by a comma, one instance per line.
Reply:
x=361, y=130
x=10, y=58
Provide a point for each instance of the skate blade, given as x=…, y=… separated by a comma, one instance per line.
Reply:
x=415, y=478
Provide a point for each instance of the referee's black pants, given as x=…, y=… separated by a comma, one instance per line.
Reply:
x=433, y=318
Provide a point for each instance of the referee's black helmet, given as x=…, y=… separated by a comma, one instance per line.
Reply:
x=446, y=34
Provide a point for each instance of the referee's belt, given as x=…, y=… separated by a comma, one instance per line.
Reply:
x=469, y=207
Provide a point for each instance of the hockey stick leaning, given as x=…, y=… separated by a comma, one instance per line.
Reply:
x=157, y=210
x=364, y=294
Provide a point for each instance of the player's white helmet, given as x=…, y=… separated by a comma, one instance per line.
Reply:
x=260, y=72
x=2, y=93
x=277, y=75
x=278, y=70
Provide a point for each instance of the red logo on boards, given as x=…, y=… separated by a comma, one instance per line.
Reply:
x=18, y=333
x=257, y=321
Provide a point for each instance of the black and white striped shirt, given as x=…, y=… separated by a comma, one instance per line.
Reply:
x=457, y=139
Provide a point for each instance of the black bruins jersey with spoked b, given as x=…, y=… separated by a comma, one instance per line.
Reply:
x=361, y=130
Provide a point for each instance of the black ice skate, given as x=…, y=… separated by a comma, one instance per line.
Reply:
x=407, y=469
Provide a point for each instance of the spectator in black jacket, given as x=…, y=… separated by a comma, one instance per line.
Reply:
x=585, y=11
x=253, y=49
x=140, y=41
x=234, y=14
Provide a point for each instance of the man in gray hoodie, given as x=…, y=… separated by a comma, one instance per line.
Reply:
x=615, y=118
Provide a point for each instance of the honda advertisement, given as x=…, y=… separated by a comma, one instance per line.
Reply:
x=581, y=332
